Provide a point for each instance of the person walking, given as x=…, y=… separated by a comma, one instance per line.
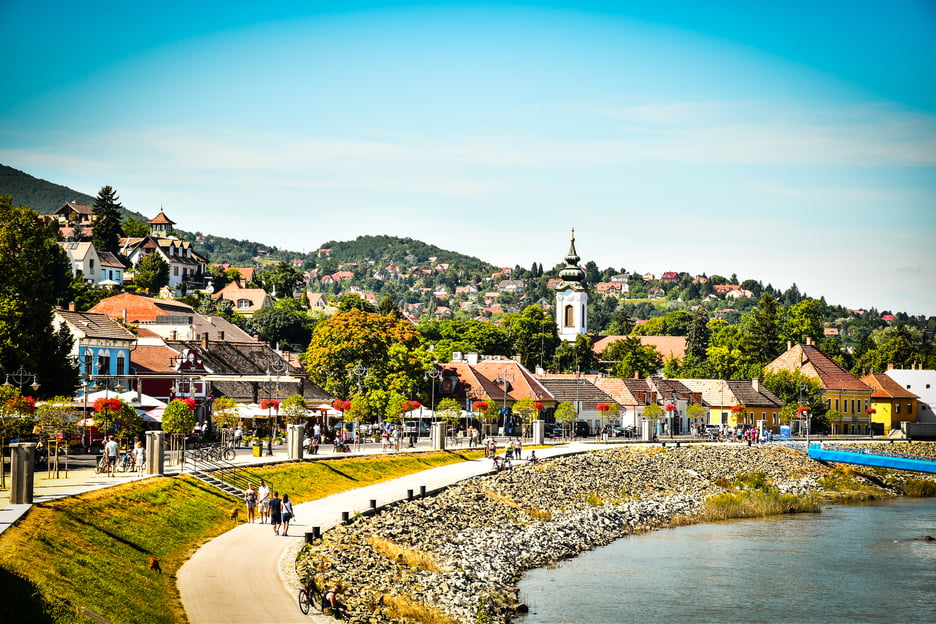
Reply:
x=238, y=436
x=250, y=499
x=276, y=512
x=288, y=513
x=139, y=458
x=110, y=455
x=263, y=501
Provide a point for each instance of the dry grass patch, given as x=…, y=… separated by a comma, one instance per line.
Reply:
x=403, y=554
x=402, y=608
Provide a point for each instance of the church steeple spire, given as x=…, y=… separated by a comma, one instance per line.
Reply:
x=572, y=297
x=573, y=276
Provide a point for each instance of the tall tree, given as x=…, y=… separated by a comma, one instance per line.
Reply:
x=32, y=280
x=697, y=338
x=762, y=327
x=534, y=335
x=629, y=356
x=107, y=221
x=283, y=280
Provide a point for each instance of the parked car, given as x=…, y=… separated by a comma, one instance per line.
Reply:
x=628, y=432
x=582, y=430
x=420, y=427
x=552, y=430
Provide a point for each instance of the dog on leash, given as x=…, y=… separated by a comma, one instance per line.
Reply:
x=233, y=514
x=154, y=564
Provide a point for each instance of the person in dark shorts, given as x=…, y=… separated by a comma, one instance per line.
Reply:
x=276, y=512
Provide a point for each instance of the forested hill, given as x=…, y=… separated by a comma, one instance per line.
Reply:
x=402, y=251
x=40, y=195
x=45, y=197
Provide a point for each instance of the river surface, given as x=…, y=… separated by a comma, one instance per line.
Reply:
x=850, y=563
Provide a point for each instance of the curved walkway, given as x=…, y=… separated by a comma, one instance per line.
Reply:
x=247, y=575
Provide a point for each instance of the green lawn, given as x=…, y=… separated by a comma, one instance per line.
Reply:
x=85, y=556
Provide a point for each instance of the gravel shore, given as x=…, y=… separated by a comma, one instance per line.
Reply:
x=461, y=552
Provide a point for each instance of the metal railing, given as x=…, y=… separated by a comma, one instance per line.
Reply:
x=204, y=461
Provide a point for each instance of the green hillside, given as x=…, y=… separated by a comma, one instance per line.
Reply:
x=40, y=195
x=45, y=197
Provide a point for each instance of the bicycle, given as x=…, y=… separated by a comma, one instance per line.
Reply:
x=125, y=462
x=310, y=596
x=101, y=465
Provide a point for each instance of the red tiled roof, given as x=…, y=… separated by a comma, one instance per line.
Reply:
x=884, y=387
x=814, y=363
x=161, y=218
x=140, y=309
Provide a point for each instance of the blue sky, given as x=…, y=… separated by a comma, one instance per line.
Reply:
x=789, y=142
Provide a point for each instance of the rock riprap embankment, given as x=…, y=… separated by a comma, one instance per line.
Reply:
x=462, y=551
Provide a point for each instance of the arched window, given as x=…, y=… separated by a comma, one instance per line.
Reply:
x=569, y=316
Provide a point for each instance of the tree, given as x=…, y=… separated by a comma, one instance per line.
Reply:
x=629, y=356
x=134, y=228
x=178, y=418
x=152, y=273
x=762, y=327
x=652, y=413
x=696, y=412
x=127, y=421
x=578, y=355
x=106, y=233
x=804, y=320
x=367, y=350
x=653, y=327
x=280, y=327
x=282, y=280
x=565, y=414
x=797, y=390
x=534, y=335
x=898, y=345
x=389, y=307
x=33, y=280
x=697, y=338
x=449, y=410
x=225, y=413
x=354, y=302
x=621, y=323
x=294, y=409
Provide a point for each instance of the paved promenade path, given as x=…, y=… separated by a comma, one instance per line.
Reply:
x=247, y=575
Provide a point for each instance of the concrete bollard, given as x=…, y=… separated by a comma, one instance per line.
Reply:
x=373, y=504
x=22, y=467
x=345, y=516
x=409, y=494
x=422, y=491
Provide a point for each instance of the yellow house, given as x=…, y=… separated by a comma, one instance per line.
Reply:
x=843, y=392
x=891, y=403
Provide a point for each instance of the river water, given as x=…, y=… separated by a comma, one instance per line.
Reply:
x=849, y=563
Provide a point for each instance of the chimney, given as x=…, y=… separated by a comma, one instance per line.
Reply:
x=220, y=336
x=755, y=383
x=172, y=335
x=809, y=341
x=472, y=357
x=123, y=315
x=789, y=345
x=890, y=366
x=72, y=307
x=204, y=340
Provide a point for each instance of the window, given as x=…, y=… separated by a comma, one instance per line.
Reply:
x=896, y=408
x=104, y=363
x=243, y=304
x=175, y=271
x=569, y=316
x=121, y=364
x=91, y=266
x=909, y=408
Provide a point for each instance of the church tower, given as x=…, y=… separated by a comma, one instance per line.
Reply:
x=572, y=297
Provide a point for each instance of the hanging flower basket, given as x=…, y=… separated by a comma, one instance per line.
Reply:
x=22, y=405
x=410, y=406
x=107, y=405
x=269, y=403
x=479, y=406
x=802, y=409
x=672, y=408
x=603, y=407
x=538, y=406
x=342, y=405
x=870, y=410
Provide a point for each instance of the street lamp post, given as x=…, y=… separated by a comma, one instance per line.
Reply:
x=504, y=379
x=276, y=366
x=432, y=374
x=20, y=377
x=359, y=371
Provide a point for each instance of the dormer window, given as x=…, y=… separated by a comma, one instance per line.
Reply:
x=243, y=304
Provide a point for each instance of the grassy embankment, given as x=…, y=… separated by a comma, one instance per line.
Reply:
x=76, y=558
